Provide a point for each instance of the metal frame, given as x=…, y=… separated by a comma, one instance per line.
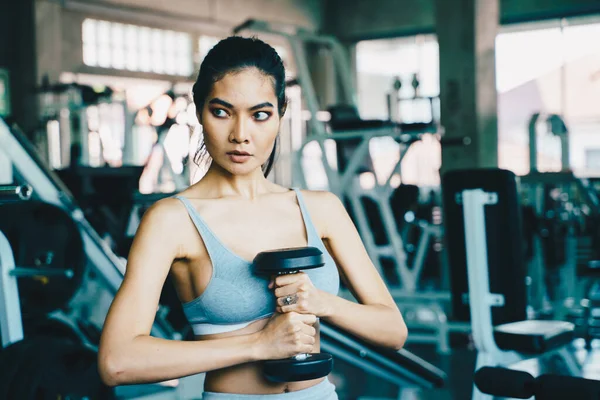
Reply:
x=364, y=358
x=564, y=141
x=346, y=185
x=11, y=325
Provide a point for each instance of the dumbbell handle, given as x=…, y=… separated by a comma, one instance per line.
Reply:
x=301, y=356
x=288, y=272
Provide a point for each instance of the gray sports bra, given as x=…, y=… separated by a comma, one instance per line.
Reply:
x=235, y=296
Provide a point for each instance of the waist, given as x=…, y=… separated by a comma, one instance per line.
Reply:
x=247, y=379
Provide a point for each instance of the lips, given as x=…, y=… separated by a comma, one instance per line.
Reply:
x=239, y=157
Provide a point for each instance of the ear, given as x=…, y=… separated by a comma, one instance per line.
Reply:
x=284, y=108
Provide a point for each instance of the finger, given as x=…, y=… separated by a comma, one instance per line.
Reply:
x=308, y=330
x=287, y=290
x=289, y=279
x=305, y=348
x=288, y=309
x=309, y=319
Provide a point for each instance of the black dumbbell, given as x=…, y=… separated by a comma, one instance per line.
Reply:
x=304, y=366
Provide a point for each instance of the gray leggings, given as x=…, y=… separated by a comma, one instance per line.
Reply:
x=324, y=390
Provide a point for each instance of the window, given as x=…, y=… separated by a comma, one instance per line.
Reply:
x=136, y=48
x=592, y=159
x=549, y=68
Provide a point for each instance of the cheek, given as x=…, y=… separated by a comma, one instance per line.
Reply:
x=212, y=132
x=268, y=134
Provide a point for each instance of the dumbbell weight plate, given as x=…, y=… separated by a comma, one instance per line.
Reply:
x=276, y=262
x=316, y=365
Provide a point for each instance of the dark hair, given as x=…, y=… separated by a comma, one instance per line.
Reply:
x=232, y=55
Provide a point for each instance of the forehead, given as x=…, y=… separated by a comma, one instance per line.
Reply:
x=247, y=87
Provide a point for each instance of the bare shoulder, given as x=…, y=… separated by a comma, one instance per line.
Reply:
x=165, y=212
x=164, y=225
x=325, y=208
x=168, y=220
x=319, y=201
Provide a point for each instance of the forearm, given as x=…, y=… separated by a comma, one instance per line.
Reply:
x=375, y=323
x=149, y=359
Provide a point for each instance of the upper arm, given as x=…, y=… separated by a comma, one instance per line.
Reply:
x=348, y=250
x=153, y=250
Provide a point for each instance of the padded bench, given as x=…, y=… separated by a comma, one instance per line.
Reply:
x=534, y=337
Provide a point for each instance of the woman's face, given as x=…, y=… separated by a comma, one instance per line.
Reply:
x=240, y=121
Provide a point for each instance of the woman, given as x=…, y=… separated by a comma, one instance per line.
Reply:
x=207, y=236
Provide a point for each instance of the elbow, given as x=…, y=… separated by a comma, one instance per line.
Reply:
x=401, y=336
x=112, y=368
x=401, y=340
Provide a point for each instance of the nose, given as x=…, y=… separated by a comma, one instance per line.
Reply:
x=239, y=132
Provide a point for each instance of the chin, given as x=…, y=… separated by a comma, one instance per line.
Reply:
x=242, y=169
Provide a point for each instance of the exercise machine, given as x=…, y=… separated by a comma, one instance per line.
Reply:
x=483, y=222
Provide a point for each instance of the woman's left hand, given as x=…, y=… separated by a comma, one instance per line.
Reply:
x=296, y=292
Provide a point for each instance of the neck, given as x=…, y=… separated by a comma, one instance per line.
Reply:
x=222, y=183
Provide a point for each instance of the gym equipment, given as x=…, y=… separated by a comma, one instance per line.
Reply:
x=555, y=126
x=304, y=366
x=103, y=263
x=505, y=382
x=48, y=248
x=65, y=115
x=14, y=193
x=105, y=195
x=398, y=367
x=565, y=245
x=556, y=387
x=426, y=106
x=50, y=367
x=53, y=327
x=487, y=263
x=105, y=272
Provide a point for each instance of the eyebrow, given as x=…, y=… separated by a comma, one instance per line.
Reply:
x=229, y=105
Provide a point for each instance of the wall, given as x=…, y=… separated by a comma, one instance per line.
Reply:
x=230, y=12
x=361, y=19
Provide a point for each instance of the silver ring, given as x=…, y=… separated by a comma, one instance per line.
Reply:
x=291, y=299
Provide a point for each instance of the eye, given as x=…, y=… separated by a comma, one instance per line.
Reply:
x=219, y=112
x=262, y=115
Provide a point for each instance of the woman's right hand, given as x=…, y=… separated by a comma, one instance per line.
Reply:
x=286, y=335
